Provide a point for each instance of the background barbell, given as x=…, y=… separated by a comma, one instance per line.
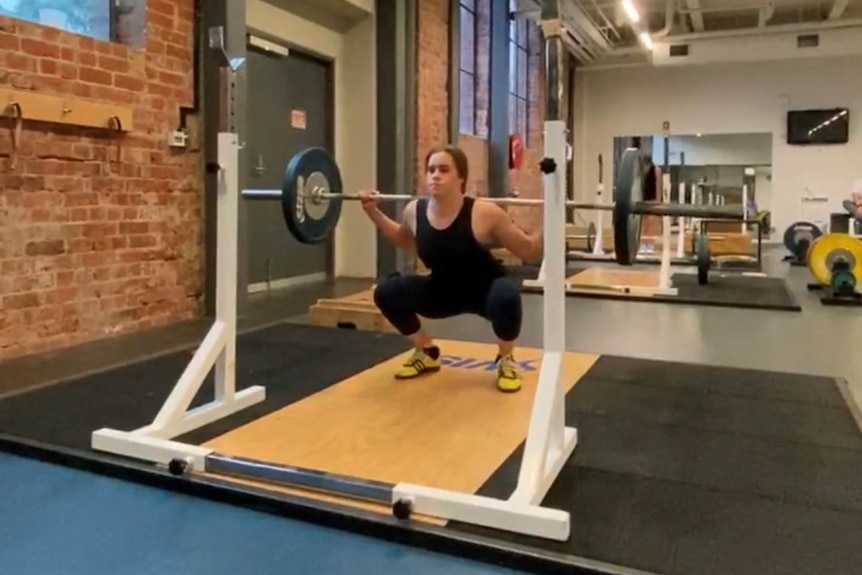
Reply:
x=641, y=208
x=311, y=199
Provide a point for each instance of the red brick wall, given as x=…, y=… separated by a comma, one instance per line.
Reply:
x=432, y=105
x=89, y=247
x=432, y=80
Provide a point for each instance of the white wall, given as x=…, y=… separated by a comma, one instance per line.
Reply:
x=354, y=60
x=366, y=5
x=727, y=98
x=758, y=47
x=716, y=150
x=763, y=187
x=356, y=105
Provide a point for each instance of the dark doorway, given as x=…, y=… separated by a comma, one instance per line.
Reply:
x=290, y=107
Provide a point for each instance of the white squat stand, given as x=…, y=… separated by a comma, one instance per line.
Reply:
x=598, y=251
x=852, y=229
x=664, y=283
x=549, y=443
x=852, y=222
x=665, y=286
x=218, y=349
x=598, y=247
x=681, y=227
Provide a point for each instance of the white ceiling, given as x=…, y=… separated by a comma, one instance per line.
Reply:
x=338, y=15
x=707, y=15
x=684, y=17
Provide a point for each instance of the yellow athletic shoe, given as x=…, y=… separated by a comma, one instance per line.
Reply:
x=421, y=362
x=508, y=379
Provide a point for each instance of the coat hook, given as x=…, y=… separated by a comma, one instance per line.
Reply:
x=13, y=110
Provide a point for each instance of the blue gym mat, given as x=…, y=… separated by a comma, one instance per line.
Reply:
x=57, y=520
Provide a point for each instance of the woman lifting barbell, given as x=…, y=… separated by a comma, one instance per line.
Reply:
x=452, y=233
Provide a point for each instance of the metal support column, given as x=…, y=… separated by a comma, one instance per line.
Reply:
x=498, y=114
x=455, y=69
x=222, y=20
x=396, y=131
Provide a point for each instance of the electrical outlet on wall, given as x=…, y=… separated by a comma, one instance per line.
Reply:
x=178, y=139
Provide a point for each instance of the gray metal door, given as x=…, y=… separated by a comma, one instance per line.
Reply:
x=289, y=101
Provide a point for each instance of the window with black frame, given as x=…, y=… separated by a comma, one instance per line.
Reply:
x=93, y=18
x=467, y=66
x=520, y=32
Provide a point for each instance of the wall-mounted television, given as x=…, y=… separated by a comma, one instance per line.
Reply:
x=818, y=127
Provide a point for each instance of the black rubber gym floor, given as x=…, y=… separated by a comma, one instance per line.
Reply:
x=681, y=469
x=293, y=361
x=725, y=289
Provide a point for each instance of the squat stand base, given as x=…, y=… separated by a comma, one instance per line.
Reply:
x=795, y=261
x=835, y=298
x=153, y=443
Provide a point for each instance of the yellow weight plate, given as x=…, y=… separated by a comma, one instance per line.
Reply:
x=826, y=249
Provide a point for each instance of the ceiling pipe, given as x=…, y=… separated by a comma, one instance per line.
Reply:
x=585, y=27
x=669, y=13
x=726, y=8
x=628, y=51
x=838, y=9
x=600, y=67
x=580, y=34
x=766, y=15
x=582, y=28
x=581, y=53
x=775, y=29
x=526, y=15
x=607, y=20
x=694, y=15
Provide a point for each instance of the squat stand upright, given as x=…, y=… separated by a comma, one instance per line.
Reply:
x=549, y=443
x=218, y=349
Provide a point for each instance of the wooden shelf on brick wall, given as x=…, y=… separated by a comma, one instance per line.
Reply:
x=34, y=106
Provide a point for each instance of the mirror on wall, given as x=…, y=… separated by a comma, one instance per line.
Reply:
x=714, y=167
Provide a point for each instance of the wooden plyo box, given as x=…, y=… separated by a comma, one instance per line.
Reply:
x=356, y=311
x=576, y=237
x=726, y=243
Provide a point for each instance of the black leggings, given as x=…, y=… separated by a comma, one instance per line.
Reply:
x=402, y=299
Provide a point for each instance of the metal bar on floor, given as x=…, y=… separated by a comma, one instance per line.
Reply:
x=289, y=476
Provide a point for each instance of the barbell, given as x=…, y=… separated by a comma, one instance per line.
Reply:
x=312, y=193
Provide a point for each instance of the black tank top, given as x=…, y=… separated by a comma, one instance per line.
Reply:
x=454, y=252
